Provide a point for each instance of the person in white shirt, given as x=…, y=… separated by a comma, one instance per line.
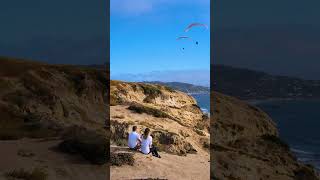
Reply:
x=134, y=139
x=146, y=144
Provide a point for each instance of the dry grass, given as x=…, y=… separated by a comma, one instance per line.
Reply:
x=119, y=159
x=35, y=174
x=118, y=116
x=199, y=132
x=89, y=144
x=138, y=108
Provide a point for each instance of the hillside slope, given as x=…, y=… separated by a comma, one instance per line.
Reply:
x=44, y=105
x=249, y=84
x=184, y=87
x=246, y=146
x=180, y=129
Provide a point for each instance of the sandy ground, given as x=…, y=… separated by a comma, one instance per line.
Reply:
x=58, y=165
x=192, y=166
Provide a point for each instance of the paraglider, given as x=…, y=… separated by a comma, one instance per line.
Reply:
x=183, y=37
x=194, y=25
x=188, y=29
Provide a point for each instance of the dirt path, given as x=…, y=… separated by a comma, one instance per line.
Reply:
x=59, y=166
x=192, y=166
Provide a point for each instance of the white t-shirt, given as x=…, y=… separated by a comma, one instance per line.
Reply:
x=133, y=139
x=146, y=144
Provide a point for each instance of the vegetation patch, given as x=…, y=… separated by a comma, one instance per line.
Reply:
x=89, y=144
x=199, y=132
x=205, y=143
x=121, y=142
x=118, y=116
x=15, y=126
x=151, y=90
x=146, y=124
x=138, y=108
x=35, y=174
x=169, y=89
x=119, y=159
x=25, y=153
x=184, y=133
x=275, y=140
x=118, y=130
x=305, y=173
x=115, y=100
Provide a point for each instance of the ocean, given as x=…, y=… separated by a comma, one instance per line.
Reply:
x=298, y=122
x=203, y=101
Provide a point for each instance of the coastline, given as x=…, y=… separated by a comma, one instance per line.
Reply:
x=303, y=153
x=268, y=100
x=196, y=93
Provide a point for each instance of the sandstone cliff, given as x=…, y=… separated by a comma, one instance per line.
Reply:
x=50, y=110
x=178, y=124
x=179, y=127
x=245, y=145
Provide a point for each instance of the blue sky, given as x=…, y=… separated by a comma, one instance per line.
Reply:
x=143, y=36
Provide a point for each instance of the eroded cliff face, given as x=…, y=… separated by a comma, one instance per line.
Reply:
x=245, y=145
x=38, y=99
x=51, y=117
x=177, y=123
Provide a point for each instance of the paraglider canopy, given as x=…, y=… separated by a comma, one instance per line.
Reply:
x=183, y=37
x=194, y=25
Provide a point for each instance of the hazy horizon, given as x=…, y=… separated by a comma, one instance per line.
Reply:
x=195, y=77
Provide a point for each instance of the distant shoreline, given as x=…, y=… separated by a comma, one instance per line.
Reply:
x=198, y=93
x=268, y=100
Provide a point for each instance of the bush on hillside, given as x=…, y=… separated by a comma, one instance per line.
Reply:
x=138, y=108
x=89, y=144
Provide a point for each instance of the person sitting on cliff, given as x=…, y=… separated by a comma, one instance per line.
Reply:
x=146, y=144
x=134, y=139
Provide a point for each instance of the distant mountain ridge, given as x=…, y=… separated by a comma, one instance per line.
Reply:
x=184, y=87
x=249, y=84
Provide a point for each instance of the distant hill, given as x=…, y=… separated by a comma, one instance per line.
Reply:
x=184, y=87
x=248, y=84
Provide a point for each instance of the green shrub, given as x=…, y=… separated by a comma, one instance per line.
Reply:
x=151, y=90
x=138, y=108
x=119, y=159
x=199, y=132
x=121, y=142
x=114, y=100
x=276, y=140
x=169, y=89
x=89, y=144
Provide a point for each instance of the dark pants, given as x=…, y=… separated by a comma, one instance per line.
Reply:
x=135, y=148
x=154, y=151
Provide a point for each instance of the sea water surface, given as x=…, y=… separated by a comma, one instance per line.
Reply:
x=298, y=122
x=203, y=101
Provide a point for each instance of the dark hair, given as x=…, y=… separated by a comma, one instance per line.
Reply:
x=146, y=133
x=134, y=128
